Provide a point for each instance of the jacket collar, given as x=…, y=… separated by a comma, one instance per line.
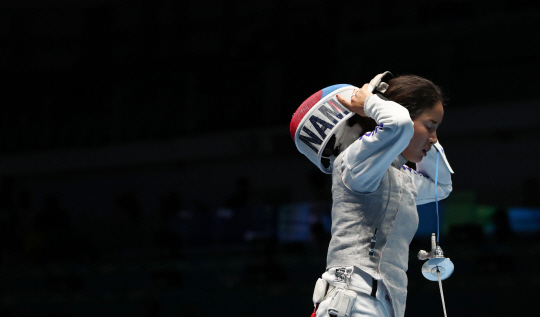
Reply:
x=399, y=161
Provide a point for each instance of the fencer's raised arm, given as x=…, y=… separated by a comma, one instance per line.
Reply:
x=424, y=176
x=366, y=160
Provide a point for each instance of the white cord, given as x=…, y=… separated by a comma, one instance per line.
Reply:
x=442, y=294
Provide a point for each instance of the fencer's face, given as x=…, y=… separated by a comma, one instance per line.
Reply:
x=425, y=133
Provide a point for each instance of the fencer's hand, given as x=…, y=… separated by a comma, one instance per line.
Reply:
x=356, y=104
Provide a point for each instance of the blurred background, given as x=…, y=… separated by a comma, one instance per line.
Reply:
x=146, y=166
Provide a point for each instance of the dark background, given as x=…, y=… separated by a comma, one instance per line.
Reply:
x=147, y=168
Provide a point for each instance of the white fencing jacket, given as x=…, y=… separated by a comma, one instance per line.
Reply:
x=374, y=215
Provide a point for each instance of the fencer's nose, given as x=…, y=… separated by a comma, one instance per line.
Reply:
x=433, y=139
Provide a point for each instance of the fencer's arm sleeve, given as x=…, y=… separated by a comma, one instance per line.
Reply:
x=424, y=176
x=366, y=160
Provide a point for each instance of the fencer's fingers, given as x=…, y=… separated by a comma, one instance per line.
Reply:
x=365, y=91
x=343, y=101
x=365, y=87
x=355, y=90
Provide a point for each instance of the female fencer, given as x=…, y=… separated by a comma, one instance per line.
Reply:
x=374, y=216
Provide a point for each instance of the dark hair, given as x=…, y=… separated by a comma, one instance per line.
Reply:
x=415, y=93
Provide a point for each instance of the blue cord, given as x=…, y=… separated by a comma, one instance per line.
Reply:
x=436, y=200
